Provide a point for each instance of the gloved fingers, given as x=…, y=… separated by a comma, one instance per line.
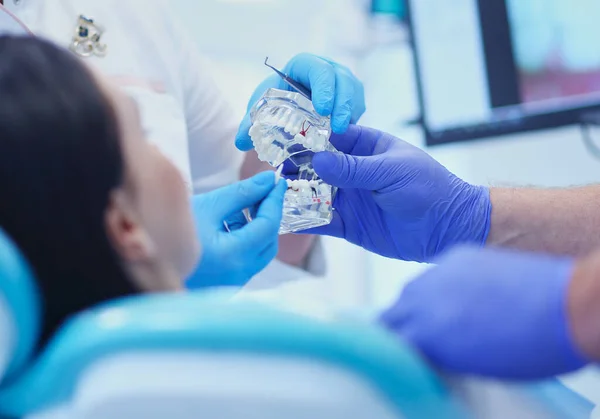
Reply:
x=414, y=337
x=357, y=140
x=235, y=197
x=257, y=240
x=236, y=221
x=268, y=254
x=252, y=211
x=395, y=317
x=349, y=103
x=263, y=257
x=401, y=318
x=264, y=228
x=319, y=76
x=243, y=142
x=346, y=171
x=343, y=102
x=242, y=139
x=272, y=206
x=335, y=91
x=335, y=64
x=386, y=318
x=358, y=103
x=203, y=208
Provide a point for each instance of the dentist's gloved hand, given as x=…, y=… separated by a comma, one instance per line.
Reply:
x=336, y=92
x=396, y=200
x=491, y=312
x=233, y=258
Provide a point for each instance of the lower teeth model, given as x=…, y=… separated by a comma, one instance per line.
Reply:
x=285, y=126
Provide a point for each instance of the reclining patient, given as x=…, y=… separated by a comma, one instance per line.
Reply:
x=96, y=210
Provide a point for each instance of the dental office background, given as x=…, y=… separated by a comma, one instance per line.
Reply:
x=236, y=35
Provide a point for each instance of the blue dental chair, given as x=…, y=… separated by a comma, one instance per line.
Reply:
x=201, y=355
x=19, y=311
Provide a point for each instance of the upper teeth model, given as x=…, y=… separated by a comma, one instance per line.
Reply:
x=282, y=127
x=285, y=126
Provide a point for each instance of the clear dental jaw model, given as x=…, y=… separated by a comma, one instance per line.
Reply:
x=286, y=127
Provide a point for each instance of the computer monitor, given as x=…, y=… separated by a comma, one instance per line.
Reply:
x=491, y=67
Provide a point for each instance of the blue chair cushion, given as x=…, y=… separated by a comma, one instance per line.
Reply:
x=210, y=323
x=18, y=287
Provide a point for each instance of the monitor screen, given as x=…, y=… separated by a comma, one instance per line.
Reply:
x=491, y=67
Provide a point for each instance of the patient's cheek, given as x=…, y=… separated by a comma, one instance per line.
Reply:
x=169, y=177
x=185, y=248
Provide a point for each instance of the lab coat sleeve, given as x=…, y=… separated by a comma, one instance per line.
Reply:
x=211, y=124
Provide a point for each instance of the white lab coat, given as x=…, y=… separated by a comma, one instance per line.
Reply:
x=183, y=111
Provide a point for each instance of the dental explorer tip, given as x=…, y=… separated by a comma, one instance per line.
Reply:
x=278, y=173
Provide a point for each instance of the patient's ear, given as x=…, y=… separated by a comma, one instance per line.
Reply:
x=126, y=233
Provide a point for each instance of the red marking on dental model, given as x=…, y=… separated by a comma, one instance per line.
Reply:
x=304, y=130
x=327, y=203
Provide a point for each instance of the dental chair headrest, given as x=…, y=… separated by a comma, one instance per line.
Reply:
x=19, y=309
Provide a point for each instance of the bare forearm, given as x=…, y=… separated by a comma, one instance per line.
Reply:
x=293, y=249
x=584, y=305
x=559, y=221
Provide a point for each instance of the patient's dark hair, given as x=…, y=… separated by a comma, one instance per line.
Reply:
x=60, y=157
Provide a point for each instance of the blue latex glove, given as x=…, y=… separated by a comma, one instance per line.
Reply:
x=233, y=258
x=335, y=91
x=397, y=201
x=490, y=312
